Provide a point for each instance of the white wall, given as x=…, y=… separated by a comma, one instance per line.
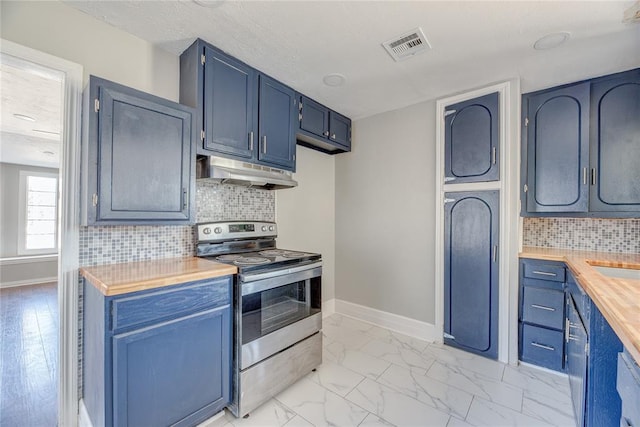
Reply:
x=385, y=217
x=103, y=50
x=306, y=214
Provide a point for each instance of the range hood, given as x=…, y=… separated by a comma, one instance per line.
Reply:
x=227, y=171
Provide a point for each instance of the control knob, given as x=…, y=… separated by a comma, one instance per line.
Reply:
x=217, y=230
x=206, y=230
x=264, y=228
x=271, y=228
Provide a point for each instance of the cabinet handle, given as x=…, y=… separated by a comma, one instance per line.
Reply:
x=493, y=155
x=333, y=136
x=184, y=198
x=584, y=175
x=544, y=273
x=572, y=325
x=495, y=253
x=264, y=144
x=593, y=176
x=543, y=307
x=251, y=141
x=566, y=329
x=542, y=346
x=573, y=338
x=326, y=133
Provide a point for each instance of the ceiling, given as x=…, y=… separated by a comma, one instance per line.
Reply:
x=474, y=43
x=31, y=113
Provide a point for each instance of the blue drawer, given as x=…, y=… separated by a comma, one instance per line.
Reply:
x=170, y=302
x=543, y=307
x=544, y=271
x=542, y=347
x=628, y=386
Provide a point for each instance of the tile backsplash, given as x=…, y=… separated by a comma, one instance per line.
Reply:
x=214, y=202
x=589, y=234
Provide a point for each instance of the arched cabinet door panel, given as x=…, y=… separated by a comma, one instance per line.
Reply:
x=471, y=271
x=472, y=140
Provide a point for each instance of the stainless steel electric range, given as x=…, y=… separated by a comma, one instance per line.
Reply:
x=277, y=306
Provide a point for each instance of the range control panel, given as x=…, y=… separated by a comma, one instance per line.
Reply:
x=235, y=230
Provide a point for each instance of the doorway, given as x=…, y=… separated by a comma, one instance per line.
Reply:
x=34, y=234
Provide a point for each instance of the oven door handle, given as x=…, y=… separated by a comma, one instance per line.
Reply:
x=262, y=285
x=268, y=275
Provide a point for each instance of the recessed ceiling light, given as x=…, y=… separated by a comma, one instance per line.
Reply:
x=48, y=132
x=334, y=79
x=24, y=117
x=551, y=40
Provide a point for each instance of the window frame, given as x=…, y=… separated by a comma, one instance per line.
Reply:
x=22, y=214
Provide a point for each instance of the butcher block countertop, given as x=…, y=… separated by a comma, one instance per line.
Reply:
x=116, y=279
x=617, y=299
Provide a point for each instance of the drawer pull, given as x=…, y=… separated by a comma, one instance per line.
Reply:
x=543, y=307
x=573, y=338
x=542, y=346
x=545, y=273
x=573, y=325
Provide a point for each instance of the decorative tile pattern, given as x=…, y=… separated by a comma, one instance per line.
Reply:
x=221, y=202
x=589, y=234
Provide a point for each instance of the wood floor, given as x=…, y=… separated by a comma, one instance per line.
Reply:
x=28, y=355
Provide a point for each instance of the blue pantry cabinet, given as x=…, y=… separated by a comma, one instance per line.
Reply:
x=581, y=148
x=471, y=271
x=243, y=114
x=322, y=129
x=137, y=157
x=158, y=357
x=472, y=140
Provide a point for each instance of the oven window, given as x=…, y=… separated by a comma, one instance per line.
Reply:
x=272, y=309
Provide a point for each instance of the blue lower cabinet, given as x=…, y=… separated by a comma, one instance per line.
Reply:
x=541, y=346
x=172, y=370
x=628, y=385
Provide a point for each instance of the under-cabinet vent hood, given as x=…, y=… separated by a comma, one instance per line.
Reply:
x=227, y=171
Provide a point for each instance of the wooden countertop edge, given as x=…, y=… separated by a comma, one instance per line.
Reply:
x=581, y=265
x=159, y=281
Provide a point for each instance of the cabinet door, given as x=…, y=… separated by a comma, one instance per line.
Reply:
x=314, y=117
x=277, y=124
x=576, y=360
x=173, y=373
x=472, y=140
x=229, y=105
x=615, y=143
x=471, y=271
x=340, y=129
x=144, y=158
x=557, y=149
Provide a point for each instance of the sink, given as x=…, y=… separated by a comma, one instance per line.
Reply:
x=620, y=273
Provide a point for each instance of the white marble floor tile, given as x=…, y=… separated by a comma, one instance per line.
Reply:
x=449, y=355
x=393, y=337
x=350, y=338
x=298, y=421
x=394, y=406
x=357, y=361
x=320, y=406
x=538, y=381
x=489, y=414
x=457, y=422
x=373, y=421
x=427, y=390
x=478, y=385
x=557, y=413
x=271, y=413
x=336, y=378
x=401, y=355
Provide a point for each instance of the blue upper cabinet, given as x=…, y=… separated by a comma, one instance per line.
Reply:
x=322, y=129
x=615, y=143
x=277, y=114
x=472, y=140
x=137, y=157
x=581, y=148
x=471, y=271
x=229, y=92
x=239, y=108
x=557, y=134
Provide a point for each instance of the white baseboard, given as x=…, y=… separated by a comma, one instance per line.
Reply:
x=328, y=307
x=404, y=325
x=83, y=416
x=29, y=282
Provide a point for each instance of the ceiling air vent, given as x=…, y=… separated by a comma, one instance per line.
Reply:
x=407, y=45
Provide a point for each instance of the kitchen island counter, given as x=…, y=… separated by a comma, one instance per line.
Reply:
x=116, y=279
x=617, y=299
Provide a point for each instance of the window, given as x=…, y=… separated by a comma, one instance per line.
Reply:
x=38, y=216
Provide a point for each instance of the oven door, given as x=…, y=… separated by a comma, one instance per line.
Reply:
x=278, y=309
